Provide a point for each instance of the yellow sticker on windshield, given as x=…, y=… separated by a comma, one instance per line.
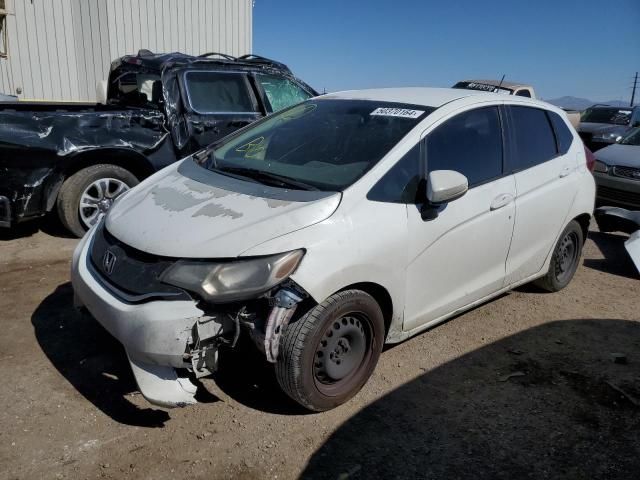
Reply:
x=298, y=111
x=253, y=148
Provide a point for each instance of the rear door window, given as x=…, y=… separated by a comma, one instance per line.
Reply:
x=219, y=92
x=533, y=139
x=469, y=143
x=281, y=92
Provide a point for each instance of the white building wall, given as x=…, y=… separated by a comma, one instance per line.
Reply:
x=59, y=49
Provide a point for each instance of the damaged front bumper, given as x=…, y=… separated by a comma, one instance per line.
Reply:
x=5, y=212
x=165, y=337
x=154, y=334
x=26, y=193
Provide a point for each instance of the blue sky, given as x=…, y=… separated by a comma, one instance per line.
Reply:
x=564, y=47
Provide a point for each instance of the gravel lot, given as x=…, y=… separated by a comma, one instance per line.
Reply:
x=522, y=387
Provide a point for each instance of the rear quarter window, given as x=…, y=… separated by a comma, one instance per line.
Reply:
x=532, y=136
x=564, y=137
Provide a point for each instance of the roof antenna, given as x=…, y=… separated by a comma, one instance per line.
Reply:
x=501, y=80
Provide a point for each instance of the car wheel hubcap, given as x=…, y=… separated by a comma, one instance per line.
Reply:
x=566, y=255
x=341, y=350
x=97, y=199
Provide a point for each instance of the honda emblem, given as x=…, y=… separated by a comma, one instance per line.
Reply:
x=109, y=262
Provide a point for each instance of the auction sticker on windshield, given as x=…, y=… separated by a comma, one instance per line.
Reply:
x=397, y=112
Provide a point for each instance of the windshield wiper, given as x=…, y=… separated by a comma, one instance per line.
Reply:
x=267, y=177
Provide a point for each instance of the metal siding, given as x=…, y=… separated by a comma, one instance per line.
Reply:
x=69, y=51
x=59, y=49
x=11, y=73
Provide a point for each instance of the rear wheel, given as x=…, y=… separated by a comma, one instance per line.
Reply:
x=89, y=193
x=329, y=354
x=565, y=259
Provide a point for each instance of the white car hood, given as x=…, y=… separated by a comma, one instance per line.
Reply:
x=189, y=212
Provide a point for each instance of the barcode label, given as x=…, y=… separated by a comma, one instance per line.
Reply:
x=397, y=112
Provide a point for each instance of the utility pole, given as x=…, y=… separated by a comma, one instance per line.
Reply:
x=633, y=92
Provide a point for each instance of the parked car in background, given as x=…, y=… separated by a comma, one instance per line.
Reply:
x=617, y=172
x=332, y=227
x=77, y=158
x=496, y=86
x=602, y=125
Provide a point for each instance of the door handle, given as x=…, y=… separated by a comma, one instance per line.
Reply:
x=566, y=170
x=501, y=200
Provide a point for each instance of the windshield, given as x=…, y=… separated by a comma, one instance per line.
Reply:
x=610, y=115
x=632, y=138
x=324, y=144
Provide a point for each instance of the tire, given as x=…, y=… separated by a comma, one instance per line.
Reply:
x=329, y=354
x=83, y=182
x=565, y=259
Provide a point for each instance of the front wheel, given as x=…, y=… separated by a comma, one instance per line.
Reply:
x=330, y=353
x=565, y=259
x=87, y=194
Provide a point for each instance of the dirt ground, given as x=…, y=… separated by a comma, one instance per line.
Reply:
x=522, y=387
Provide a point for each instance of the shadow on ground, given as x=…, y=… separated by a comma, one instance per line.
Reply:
x=616, y=259
x=96, y=365
x=248, y=378
x=48, y=224
x=90, y=359
x=546, y=403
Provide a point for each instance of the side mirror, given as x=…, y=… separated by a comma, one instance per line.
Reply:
x=445, y=186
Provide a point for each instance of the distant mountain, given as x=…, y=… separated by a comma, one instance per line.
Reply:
x=577, y=103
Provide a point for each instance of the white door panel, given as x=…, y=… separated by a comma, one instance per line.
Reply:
x=460, y=256
x=544, y=195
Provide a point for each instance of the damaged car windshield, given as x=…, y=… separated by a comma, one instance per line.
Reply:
x=323, y=144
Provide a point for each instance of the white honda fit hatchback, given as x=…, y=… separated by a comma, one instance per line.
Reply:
x=328, y=229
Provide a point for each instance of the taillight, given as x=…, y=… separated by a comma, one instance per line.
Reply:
x=591, y=159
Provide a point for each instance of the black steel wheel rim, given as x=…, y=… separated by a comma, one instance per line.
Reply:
x=343, y=353
x=566, y=256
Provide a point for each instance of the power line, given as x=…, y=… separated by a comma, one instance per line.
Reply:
x=633, y=93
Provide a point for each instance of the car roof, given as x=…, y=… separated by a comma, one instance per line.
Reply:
x=426, y=96
x=158, y=61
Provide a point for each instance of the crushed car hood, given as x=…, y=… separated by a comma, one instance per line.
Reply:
x=621, y=155
x=190, y=212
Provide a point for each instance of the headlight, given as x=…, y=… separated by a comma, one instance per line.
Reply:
x=230, y=281
x=601, y=167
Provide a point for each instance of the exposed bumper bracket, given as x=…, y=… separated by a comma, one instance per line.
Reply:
x=204, y=354
x=285, y=304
